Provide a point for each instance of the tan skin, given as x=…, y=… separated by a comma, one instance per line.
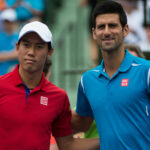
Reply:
x=109, y=35
x=80, y=123
x=53, y=147
x=32, y=53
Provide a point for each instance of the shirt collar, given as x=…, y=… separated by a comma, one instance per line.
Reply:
x=125, y=65
x=127, y=62
x=18, y=82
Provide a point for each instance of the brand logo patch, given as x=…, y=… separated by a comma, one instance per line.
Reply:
x=44, y=100
x=124, y=82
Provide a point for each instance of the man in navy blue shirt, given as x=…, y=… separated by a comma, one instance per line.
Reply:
x=117, y=93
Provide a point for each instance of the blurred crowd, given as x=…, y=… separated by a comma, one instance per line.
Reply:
x=139, y=28
x=13, y=14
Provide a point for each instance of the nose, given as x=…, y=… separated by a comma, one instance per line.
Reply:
x=107, y=30
x=31, y=51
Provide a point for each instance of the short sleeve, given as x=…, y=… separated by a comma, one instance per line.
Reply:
x=62, y=125
x=148, y=80
x=83, y=107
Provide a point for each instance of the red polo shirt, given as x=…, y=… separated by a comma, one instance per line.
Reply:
x=26, y=120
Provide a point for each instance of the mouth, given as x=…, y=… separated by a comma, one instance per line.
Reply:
x=30, y=61
x=107, y=40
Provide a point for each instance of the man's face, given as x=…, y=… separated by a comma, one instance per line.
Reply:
x=108, y=32
x=9, y=26
x=32, y=53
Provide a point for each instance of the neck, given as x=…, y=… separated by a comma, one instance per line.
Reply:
x=31, y=80
x=112, y=61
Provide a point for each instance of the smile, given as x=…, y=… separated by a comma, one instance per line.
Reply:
x=107, y=40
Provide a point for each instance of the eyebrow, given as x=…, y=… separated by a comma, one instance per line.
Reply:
x=25, y=41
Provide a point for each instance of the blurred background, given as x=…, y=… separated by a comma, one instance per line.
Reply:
x=69, y=20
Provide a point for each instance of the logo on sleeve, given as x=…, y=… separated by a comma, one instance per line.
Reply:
x=124, y=82
x=44, y=100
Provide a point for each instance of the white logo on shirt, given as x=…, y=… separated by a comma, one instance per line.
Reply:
x=124, y=82
x=44, y=100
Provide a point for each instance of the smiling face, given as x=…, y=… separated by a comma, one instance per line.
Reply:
x=32, y=53
x=109, y=33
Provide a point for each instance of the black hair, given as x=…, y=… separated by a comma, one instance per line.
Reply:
x=50, y=46
x=47, y=66
x=109, y=7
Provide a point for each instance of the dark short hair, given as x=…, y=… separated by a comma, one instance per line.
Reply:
x=109, y=7
x=47, y=66
x=50, y=46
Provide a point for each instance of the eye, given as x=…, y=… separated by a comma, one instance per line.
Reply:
x=40, y=46
x=25, y=44
x=113, y=25
x=101, y=27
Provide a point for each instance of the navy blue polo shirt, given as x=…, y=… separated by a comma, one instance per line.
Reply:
x=120, y=105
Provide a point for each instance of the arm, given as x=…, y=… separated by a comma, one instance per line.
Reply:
x=53, y=147
x=82, y=118
x=16, y=4
x=30, y=8
x=69, y=143
x=80, y=123
x=8, y=56
x=53, y=144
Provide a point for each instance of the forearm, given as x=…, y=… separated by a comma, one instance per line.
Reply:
x=8, y=56
x=85, y=144
x=79, y=123
x=53, y=147
x=70, y=143
x=29, y=7
x=16, y=4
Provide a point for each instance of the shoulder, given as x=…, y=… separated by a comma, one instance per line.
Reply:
x=89, y=77
x=6, y=81
x=6, y=77
x=92, y=73
x=137, y=61
x=141, y=67
x=2, y=35
x=52, y=88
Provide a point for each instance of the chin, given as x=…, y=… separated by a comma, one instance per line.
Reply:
x=30, y=69
x=109, y=49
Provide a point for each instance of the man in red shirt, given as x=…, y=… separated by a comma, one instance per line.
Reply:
x=31, y=107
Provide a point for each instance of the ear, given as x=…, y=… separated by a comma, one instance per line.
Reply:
x=126, y=30
x=17, y=47
x=94, y=33
x=50, y=53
